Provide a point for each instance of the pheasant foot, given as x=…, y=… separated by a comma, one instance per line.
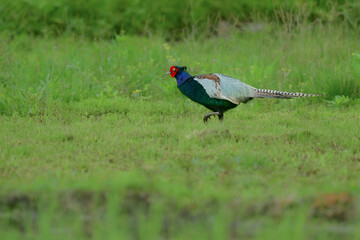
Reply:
x=208, y=116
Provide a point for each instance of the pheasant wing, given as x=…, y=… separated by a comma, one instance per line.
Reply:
x=224, y=87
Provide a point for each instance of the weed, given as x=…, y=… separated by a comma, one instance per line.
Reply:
x=339, y=102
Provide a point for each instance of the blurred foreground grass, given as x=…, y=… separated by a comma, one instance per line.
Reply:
x=140, y=169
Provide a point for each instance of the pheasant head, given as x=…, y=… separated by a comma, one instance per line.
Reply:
x=179, y=73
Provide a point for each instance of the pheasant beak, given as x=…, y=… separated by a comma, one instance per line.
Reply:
x=168, y=73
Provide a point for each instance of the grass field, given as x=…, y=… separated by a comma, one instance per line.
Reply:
x=97, y=142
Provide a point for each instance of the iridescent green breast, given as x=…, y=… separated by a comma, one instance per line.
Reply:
x=195, y=91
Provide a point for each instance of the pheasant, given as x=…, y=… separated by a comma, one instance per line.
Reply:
x=220, y=93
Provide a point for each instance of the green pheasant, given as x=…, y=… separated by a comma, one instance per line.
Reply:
x=220, y=93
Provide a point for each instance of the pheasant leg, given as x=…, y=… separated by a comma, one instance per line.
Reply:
x=221, y=117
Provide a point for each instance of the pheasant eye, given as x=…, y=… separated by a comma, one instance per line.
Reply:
x=174, y=69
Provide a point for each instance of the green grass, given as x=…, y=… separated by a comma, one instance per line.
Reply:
x=84, y=155
x=35, y=72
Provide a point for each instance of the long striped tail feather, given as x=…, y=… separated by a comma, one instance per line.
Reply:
x=264, y=93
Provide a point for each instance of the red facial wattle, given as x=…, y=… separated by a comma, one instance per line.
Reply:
x=173, y=71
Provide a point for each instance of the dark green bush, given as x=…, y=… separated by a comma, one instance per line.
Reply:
x=105, y=18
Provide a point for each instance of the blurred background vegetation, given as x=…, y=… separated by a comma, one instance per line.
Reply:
x=101, y=19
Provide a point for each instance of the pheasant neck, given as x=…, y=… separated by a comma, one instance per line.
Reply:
x=182, y=77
